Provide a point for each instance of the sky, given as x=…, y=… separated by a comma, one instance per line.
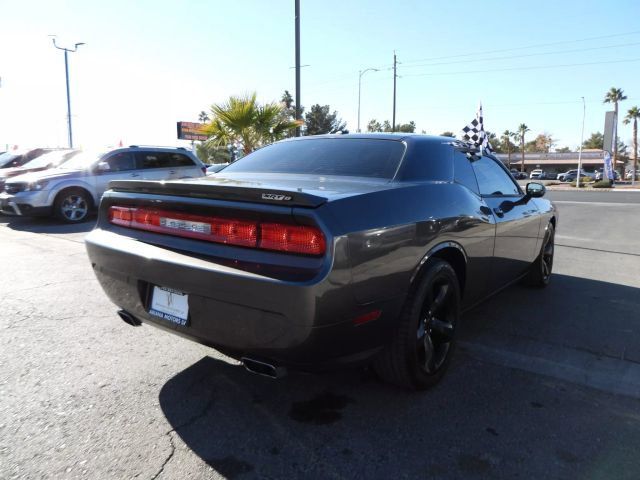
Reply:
x=148, y=64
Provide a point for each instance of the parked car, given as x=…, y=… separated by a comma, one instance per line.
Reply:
x=71, y=190
x=17, y=158
x=323, y=251
x=43, y=162
x=599, y=175
x=549, y=176
x=629, y=175
x=518, y=175
x=215, y=168
x=537, y=173
x=564, y=177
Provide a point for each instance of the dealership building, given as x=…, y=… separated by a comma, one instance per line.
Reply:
x=554, y=162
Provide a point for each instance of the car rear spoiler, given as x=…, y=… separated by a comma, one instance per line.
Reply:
x=293, y=198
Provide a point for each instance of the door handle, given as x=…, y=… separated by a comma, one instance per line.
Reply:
x=172, y=171
x=135, y=175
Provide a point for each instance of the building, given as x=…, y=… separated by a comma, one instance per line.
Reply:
x=555, y=162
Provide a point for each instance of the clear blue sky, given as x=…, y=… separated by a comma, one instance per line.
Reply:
x=148, y=64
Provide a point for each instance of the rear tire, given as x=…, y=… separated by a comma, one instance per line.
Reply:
x=424, y=342
x=72, y=205
x=540, y=271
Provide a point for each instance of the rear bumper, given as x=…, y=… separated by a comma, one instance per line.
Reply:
x=301, y=325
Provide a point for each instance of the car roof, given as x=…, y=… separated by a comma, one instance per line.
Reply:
x=398, y=136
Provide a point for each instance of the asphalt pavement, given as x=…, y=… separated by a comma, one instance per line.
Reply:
x=545, y=384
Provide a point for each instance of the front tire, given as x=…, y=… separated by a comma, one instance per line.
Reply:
x=72, y=205
x=540, y=272
x=424, y=343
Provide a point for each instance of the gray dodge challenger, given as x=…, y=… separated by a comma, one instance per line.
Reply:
x=320, y=252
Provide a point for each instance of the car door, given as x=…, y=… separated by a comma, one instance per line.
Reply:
x=117, y=166
x=517, y=220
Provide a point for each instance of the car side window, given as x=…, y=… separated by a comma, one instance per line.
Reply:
x=148, y=160
x=121, y=162
x=463, y=172
x=493, y=179
x=180, y=160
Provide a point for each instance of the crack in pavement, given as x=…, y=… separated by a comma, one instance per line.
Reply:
x=172, y=451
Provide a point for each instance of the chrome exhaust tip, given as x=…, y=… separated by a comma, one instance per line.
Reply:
x=128, y=318
x=263, y=368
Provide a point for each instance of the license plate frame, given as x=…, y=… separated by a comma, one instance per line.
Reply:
x=169, y=304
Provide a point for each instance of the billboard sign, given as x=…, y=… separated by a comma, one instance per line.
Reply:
x=191, y=131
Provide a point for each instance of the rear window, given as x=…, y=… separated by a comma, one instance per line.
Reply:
x=354, y=157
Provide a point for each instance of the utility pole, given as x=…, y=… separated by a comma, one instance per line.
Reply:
x=393, y=123
x=66, y=74
x=584, y=112
x=298, y=113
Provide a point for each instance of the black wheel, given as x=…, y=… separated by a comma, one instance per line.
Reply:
x=540, y=273
x=72, y=205
x=422, y=348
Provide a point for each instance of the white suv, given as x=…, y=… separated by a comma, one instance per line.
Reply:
x=73, y=189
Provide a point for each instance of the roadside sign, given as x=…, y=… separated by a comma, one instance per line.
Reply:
x=191, y=131
x=609, y=131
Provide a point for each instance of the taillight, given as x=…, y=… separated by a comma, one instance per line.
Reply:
x=281, y=237
x=292, y=238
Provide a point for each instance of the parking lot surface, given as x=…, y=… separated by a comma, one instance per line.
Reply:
x=545, y=384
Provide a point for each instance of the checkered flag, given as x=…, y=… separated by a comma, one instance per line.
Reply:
x=475, y=135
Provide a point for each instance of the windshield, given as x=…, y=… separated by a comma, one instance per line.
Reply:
x=325, y=156
x=6, y=158
x=81, y=161
x=53, y=158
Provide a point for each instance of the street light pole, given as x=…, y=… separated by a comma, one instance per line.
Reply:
x=584, y=111
x=360, y=74
x=297, y=14
x=66, y=75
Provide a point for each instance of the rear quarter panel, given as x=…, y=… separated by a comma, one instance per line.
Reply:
x=391, y=231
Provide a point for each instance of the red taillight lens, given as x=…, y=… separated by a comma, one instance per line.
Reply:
x=269, y=236
x=120, y=216
x=292, y=238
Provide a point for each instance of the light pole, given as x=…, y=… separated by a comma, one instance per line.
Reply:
x=66, y=74
x=297, y=21
x=360, y=74
x=584, y=111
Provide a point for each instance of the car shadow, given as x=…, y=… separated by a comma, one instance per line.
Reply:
x=46, y=225
x=480, y=421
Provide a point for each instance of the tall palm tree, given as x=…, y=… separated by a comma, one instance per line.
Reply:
x=522, y=130
x=615, y=95
x=243, y=120
x=508, y=135
x=633, y=114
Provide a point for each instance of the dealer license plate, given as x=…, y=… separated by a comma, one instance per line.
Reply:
x=170, y=304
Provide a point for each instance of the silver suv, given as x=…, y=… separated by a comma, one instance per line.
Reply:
x=73, y=189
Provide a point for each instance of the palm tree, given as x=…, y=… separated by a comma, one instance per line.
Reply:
x=615, y=95
x=203, y=117
x=508, y=135
x=243, y=120
x=522, y=130
x=633, y=114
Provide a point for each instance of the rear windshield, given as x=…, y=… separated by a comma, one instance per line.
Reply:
x=354, y=157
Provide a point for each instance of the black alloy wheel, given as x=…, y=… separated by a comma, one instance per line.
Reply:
x=423, y=345
x=540, y=271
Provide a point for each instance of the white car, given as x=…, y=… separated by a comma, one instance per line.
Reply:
x=73, y=189
x=536, y=173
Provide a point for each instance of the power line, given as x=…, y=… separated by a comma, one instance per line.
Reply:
x=537, y=67
x=559, y=52
x=564, y=42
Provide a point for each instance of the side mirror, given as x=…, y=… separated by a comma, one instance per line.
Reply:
x=103, y=167
x=535, y=190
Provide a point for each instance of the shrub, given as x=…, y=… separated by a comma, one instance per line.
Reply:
x=602, y=184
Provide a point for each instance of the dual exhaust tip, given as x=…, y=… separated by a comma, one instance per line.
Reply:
x=259, y=367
